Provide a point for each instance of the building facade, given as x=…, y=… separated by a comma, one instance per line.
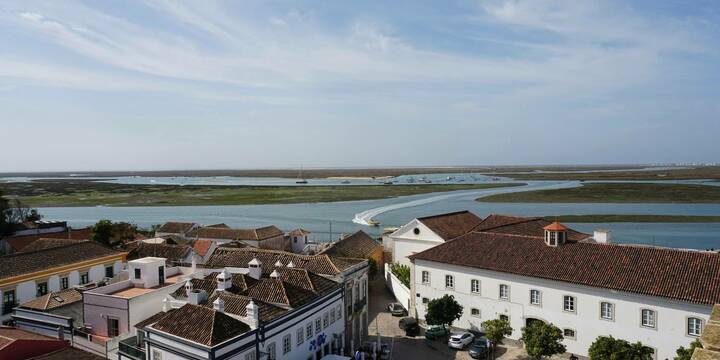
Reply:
x=658, y=296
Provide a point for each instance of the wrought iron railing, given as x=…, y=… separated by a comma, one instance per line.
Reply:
x=129, y=347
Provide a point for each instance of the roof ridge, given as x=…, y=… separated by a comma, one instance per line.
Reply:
x=47, y=301
x=21, y=253
x=445, y=214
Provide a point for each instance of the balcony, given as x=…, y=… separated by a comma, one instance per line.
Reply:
x=129, y=347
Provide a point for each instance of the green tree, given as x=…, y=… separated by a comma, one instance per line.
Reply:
x=402, y=272
x=541, y=339
x=109, y=233
x=496, y=330
x=443, y=311
x=686, y=354
x=4, y=224
x=609, y=348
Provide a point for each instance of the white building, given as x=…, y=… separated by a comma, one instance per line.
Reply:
x=526, y=270
x=290, y=313
x=423, y=233
x=27, y=275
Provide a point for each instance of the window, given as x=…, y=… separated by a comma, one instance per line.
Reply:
x=694, y=326
x=504, y=292
x=569, y=303
x=475, y=286
x=64, y=283
x=416, y=231
x=504, y=317
x=157, y=354
x=300, y=336
x=425, y=301
x=113, y=327
x=569, y=334
x=535, y=298
x=647, y=318
x=607, y=311
x=8, y=301
x=449, y=281
x=332, y=316
x=318, y=327
x=138, y=273
x=475, y=312
x=109, y=271
x=286, y=344
x=308, y=331
x=426, y=278
x=326, y=320
x=42, y=288
x=339, y=312
x=250, y=355
x=84, y=278
x=272, y=353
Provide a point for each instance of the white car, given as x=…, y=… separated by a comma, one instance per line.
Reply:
x=460, y=340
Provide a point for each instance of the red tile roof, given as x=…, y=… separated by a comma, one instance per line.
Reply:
x=200, y=324
x=556, y=226
x=451, y=225
x=522, y=226
x=320, y=264
x=691, y=276
x=358, y=245
x=18, y=243
x=262, y=233
x=201, y=247
x=53, y=300
x=172, y=227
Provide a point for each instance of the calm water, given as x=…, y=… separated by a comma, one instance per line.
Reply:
x=320, y=218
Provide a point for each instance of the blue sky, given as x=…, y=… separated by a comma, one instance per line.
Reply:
x=208, y=85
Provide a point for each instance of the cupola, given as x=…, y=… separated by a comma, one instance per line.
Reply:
x=555, y=234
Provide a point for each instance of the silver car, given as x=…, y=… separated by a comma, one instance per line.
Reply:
x=460, y=340
x=396, y=309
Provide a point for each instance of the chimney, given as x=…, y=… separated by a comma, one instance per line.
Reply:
x=219, y=305
x=253, y=314
x=602, y=236
x=197, y=297
x=254, y=269
x=279, y=264
x=290, y=264
x=165, y=305
x=224, y=280
x=274, y=274
x=188, y=288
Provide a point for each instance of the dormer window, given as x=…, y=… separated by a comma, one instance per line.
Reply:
x=555, y=234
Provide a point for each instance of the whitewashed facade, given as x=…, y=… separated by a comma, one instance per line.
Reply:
x=670, y=330
x=411, y=238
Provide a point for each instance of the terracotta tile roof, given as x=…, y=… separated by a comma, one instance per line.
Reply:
x=299, y=232
x=68, y=353
x=262, y=233
x=220, y=225
x=175, y=227
x=140, y=249
x=18, y=243
x=275, y=291
x=200, y=324
x=320, y=264
x=236, y=305
x=43, y=243
x=201, y=247
x=451, y=225
x=152, y=319
x=691, y=276
x=29, y=262
x=12, y=334
x=53, y=300
x=358, y=245
x=522, y=226
x=240, y=283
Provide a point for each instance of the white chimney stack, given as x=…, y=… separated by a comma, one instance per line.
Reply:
x=188, y=288
x=290, y=264
x=165, y=305
x=274, y=274
x=602, y=236
x=278, y=264
x=219, y=305
x=197, y=297
x=224, y=280
x=253, y=314
x=254, y=269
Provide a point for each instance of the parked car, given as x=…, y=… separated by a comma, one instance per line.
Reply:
x=396, y=309
x=436, y=332
x=410, y=326
x=479, y=348
x=460, y=340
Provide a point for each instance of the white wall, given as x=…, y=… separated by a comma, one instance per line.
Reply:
x=402, y=293
x=669, y=334
x=404, y=242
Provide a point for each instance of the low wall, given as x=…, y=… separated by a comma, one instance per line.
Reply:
x=402, y=293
